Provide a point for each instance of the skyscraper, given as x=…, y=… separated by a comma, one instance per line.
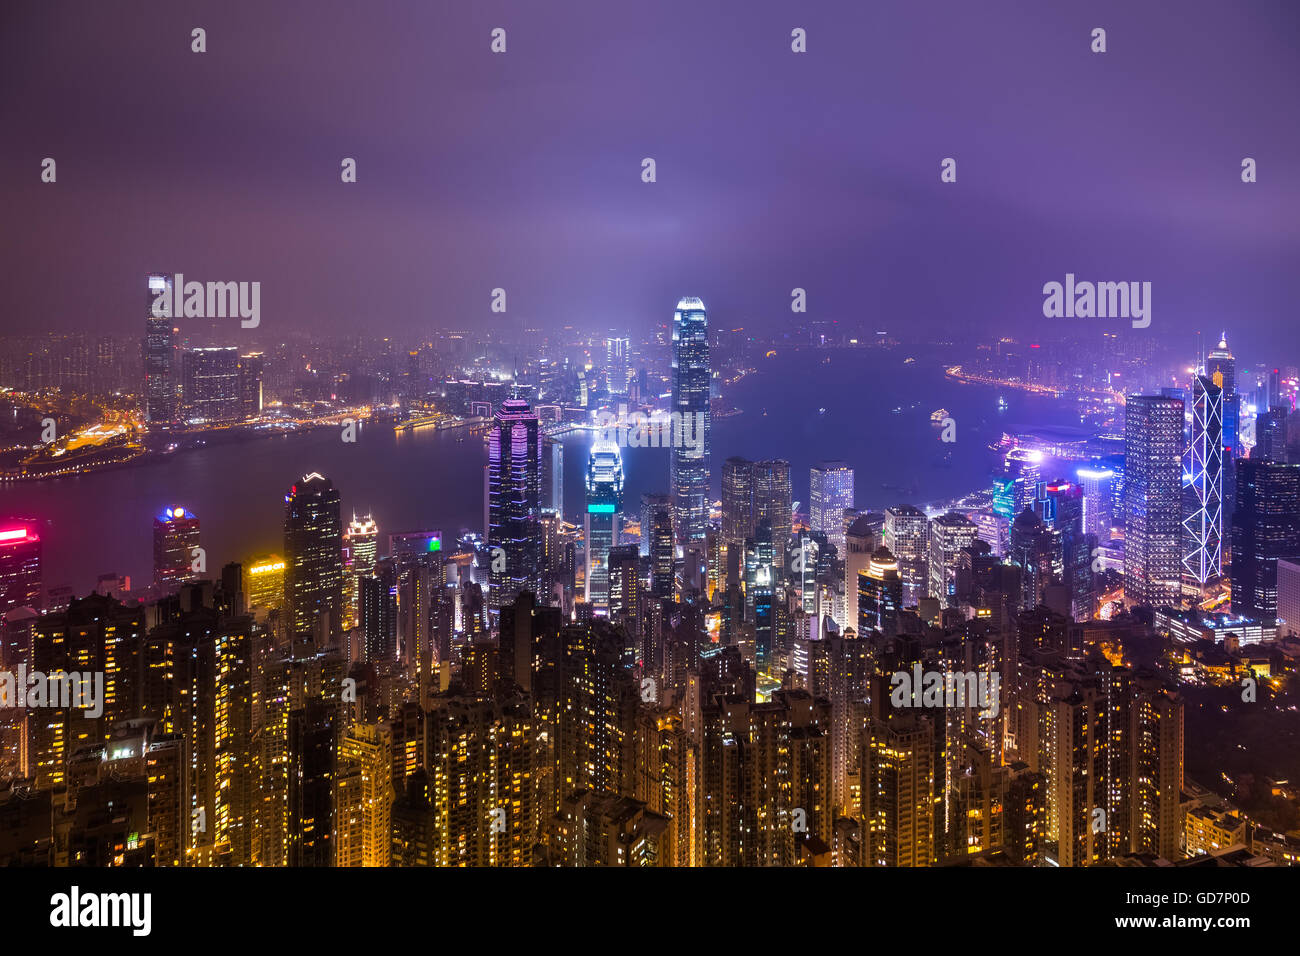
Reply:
x=553, y=475
x=737, y=501
x=1204, y=522
x=879, y=595
x=251, y=368
x=1153, y=439
x=159, y=381
x=1097, y=481
x=830, y=493
x=20, y=565
x=950, y=534
x=514, y=501
x=660, y=516
x=313, y=555
x=360, y=549
x=264, y=581
x=1266, y=529
x=1221, y=368
x=905, y=535
x=1270, y=435
x=1036, y=548
x=689, y=465
x=616, y=367
x=604, y=517
x=175, y=538
x=773, y=500
x=754, y=492
x=211, y=386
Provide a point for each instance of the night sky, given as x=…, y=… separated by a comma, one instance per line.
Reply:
x=775, y=169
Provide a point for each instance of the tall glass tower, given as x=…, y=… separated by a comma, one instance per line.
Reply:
x=1203, y=526
x=689, y=466
x=159, y=377
x=514, y=501
x=313, y=557
x=1221, y=367
x=604, y=515
x=1153, y=440
x=830, y=494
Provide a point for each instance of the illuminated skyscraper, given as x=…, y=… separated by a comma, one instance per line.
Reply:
x=760, y=764
x=360, y=549
x=1204, y=525
x=689, y=464
x=660, y=517
x=1271, y=435
x=20, y=565
x=1153, y=441
x=313, y=555
x=880, y=594
x=1266, y=529
x=364, y=796
x=1036, y=548
x=754, y=492
x=483, y=766
x=737, y=507
x=616, y=367
x=211, y=389
x=251, y=367
x=1022, y=469
x=1097, y=494
x=906, y=536
x=603, y=519
x=175, y=538
x=773, y=500
x=159, y=380
x=897, y=765
x=831, y=492
x=1061, y=506
x=314, y=731
x=514, y=502
x=553, y=476
x=950, y=534
x=1221, y=368
x=264, y=581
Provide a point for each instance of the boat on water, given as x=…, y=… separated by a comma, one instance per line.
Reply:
x=938, y=415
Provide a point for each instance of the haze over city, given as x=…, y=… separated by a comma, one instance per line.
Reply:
x=681, y=435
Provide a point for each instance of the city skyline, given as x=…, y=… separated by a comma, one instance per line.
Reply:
x=672, y=437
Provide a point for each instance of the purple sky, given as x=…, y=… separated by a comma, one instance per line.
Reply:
x=775, y=170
